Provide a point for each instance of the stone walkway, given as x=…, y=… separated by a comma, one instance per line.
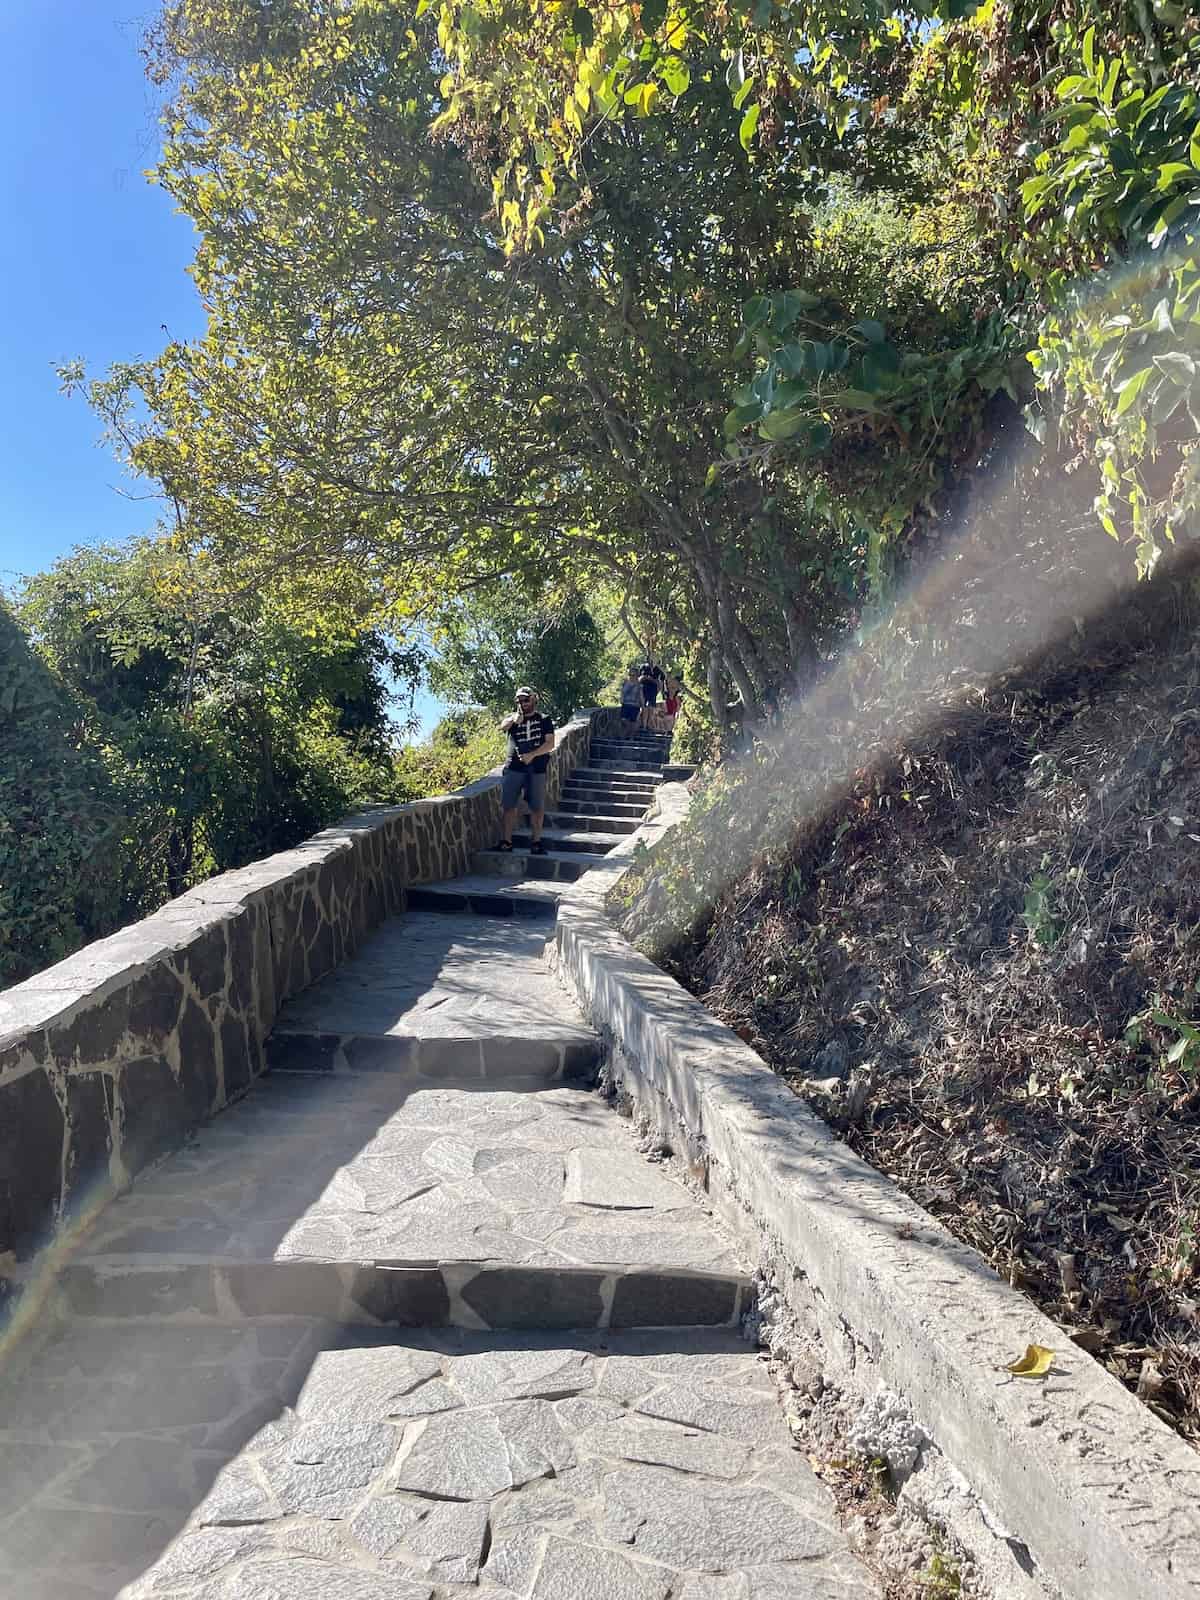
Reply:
x=414, y=1320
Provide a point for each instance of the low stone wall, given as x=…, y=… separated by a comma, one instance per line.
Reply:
x=111, y=1057
x=1067, y=1487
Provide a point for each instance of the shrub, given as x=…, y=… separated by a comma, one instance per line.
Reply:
x=62, y=818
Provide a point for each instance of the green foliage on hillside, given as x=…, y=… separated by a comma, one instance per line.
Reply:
x=490, y=642
x=157, y=730
x=63, y=819
x=230, y=731
x=464, y=746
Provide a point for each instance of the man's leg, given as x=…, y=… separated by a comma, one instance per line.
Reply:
x=511, y=785
x=537, y=804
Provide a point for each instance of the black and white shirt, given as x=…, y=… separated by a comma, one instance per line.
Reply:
x=526, y=735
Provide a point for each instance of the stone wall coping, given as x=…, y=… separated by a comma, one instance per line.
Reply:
x=96, y=969
x=1073, y=1472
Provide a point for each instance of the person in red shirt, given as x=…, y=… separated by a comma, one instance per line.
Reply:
x=672, y=697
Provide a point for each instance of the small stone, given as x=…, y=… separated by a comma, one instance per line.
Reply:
x=458, y=1457
x=537, y=1445
x=537, y=1505
x=238, y=1496
x=513, y=1559
x=385, y=1522
x=583, y=1412
x=200, y=1554
x=736, y=1586
x=450, y=1539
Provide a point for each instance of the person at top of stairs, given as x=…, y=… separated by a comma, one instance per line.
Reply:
x=530, y=743
x=631, y=701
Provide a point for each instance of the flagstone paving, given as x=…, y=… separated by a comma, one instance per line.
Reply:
x=333, y=1350
x=240, y=1464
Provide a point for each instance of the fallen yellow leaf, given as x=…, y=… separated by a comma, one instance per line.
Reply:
x=1035, y=1363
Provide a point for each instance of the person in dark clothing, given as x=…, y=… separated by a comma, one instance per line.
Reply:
x=648, y=678
x=530, y=742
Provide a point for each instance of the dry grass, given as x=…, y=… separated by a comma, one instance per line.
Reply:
x=973, y=968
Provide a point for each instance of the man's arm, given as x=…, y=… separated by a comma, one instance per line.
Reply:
x=544, y=749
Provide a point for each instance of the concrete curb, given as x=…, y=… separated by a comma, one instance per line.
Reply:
x=1091, y=1496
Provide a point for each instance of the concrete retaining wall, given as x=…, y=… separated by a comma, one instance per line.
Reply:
x=111, y=1057
x=1068, y=1487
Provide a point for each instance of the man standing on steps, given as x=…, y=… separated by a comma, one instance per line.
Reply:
x=530, y=741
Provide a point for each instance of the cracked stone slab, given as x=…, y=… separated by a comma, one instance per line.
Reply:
x=477, y=1455
x=355, y=1171
x=324, y=1467
x=684, y=1450
x=713, y=1527
x=551, y=1442
x=621, y=1181
x=712, y=1409
x=299, y=1579
x=572, y=1571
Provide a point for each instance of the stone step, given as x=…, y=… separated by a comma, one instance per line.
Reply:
x=562, y=840
x=639, y=759
x=613, y=774
x=565, y=865
x=369, y=1199
x=482, y=895
x=623, y=803
x=454, y=1293
x=591, y=819
x=622, y=764
x=631, y=801
x=499, y=1056
x=419, y=1002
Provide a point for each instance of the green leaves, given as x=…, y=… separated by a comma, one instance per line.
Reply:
x=675, y=74
x=749, y=126
x=583, y=27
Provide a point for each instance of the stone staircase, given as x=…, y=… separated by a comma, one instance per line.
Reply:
x=599, y=804
x=415, y=1319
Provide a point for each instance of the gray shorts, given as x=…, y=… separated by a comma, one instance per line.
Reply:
x=531, y=784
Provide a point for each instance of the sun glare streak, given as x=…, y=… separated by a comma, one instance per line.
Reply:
x=1027, y=566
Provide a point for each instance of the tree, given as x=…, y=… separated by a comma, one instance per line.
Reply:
x=63, y=820
x=1069, y=131
x=388, y=408
x=497, y=639
x=228, y=731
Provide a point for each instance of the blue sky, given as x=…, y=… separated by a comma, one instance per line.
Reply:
x=93, y=265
